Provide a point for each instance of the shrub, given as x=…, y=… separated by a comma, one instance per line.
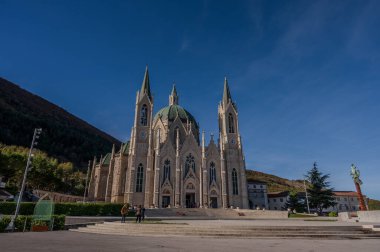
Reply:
x=59, y=222
x=68, y=209
x=28, y=221
x=23, y=220
x=333, y=214
x=4, y=221
x=26, y=208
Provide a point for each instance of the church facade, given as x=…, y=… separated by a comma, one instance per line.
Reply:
x=167, y=163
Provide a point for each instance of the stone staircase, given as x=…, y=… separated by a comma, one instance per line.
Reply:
x=218, y=229
x=212, y=213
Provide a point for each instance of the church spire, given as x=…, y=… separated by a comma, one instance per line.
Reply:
x=173, y=97
x=226, y=93
x=145, y=87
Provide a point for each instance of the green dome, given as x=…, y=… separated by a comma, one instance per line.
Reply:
x=171, y=112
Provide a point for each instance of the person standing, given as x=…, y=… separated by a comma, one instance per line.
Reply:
x=138, y=214
x=124, y=213
x=143, y=213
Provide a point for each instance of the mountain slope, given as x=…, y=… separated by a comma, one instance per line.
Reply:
x=64, y=136
x=276, y=184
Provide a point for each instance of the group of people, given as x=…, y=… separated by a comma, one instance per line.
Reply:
x=139, y=213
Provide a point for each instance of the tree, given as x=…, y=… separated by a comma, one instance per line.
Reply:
x=293, y=203
x=319, y=191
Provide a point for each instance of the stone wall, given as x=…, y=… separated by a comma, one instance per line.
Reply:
x=369, y=216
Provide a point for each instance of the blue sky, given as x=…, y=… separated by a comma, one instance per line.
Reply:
x=304, y=74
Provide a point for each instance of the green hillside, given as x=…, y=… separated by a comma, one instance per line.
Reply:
x=374, y=204
x=276, y=184
x=64, y=136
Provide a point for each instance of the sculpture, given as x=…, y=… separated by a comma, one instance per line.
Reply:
x=355, y=174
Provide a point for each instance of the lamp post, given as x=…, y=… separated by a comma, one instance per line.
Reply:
x=36, y=135
x=307, y=198
x=85, y=188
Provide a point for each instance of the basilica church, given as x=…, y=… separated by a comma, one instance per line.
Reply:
x=166, y=162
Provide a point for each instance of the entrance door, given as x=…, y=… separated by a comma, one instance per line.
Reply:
x=190, y=200
x=165, y=201
x=213, y=202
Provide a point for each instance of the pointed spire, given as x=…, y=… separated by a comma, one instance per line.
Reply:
x=226, y=92
x=173, y=97
x=113, y=151
x=121, y=149
x=145, y=87
x=203, y=144
x=174, y=90
x=177, y=142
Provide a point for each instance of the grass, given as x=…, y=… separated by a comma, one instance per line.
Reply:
x=299, y=215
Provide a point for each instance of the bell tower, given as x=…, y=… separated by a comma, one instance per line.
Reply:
x=140, y=154
x=232, y=151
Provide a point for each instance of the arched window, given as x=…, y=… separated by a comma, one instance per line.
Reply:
x=144, y=115
x=166, y=170
x=235, y=190
x=139, y=178
x=231, y=128
x=176, y=132
x=212, y=172
x=189, y=164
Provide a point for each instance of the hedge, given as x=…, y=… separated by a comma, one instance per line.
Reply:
x=69, y=209
x=59, y=222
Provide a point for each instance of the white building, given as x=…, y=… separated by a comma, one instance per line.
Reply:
x=346, y=201
x=277, y=200
x=257, y=194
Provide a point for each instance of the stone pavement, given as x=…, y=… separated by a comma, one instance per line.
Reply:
x=73, y=241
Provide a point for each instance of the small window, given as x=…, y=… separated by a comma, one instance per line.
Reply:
x=139, y=178
x=231, y=126
x=274, y=200
x=189, y=164
x=166, y=170
x=281, y=200
x=144, y=115
x=212, y=173
x=235, y=190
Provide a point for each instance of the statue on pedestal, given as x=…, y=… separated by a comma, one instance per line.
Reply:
x=355, y=173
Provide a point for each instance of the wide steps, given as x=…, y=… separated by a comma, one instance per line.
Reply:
x=163, y=229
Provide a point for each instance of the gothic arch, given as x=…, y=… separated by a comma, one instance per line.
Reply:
x=231, y=123
x=144, y=115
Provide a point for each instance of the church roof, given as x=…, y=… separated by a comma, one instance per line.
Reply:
x=125, y=148
x=171, y=112
x=106, y=159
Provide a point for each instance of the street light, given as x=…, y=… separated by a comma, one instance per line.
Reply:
x=36, y=135
x=307, y=200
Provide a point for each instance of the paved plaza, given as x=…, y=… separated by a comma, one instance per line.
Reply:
x=75, y=241
x=72, y=241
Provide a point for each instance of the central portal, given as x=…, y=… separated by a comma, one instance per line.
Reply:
x=190, y=200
